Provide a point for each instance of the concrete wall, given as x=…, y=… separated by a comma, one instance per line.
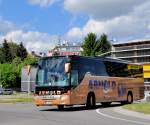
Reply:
x=28, y=79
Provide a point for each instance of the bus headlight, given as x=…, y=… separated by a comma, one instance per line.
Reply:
x=64, y=97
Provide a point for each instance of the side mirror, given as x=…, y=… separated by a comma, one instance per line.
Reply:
x=67, y=67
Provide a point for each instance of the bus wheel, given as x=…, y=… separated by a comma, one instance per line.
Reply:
x=60, y=107
x=105, y=103
x=130, y=98
x=90, y=101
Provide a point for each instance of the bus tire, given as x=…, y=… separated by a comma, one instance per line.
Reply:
x=129, y=98
x=105, y=104
x=60, y=107
x=90, y=101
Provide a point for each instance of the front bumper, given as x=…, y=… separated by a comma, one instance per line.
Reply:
x=52, y=100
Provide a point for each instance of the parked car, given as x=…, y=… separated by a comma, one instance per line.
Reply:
x=7, y=91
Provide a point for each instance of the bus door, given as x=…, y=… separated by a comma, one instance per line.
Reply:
x=75, y=89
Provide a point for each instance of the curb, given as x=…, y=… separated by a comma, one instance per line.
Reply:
x=131, y=113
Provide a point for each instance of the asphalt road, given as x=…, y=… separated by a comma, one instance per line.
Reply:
x=28, y=114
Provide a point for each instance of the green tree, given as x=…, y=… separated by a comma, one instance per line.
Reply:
x=6, y=51
x=105, y=45
x=10, y=68
x=22, y=52
x=13, y=49
x=30, y=60
x=1, y=56
x=93, y=46
x=89, y=44
x=17, y=61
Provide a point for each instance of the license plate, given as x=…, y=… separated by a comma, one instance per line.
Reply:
x=48, y=102
x=48, y=97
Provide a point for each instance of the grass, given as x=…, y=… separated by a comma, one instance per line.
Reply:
x=16, y=98
x=139, y=107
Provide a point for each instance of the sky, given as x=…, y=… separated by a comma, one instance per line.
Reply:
x=40, y=24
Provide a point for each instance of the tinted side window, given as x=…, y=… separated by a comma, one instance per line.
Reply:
x=92, y=67
x=116, y=69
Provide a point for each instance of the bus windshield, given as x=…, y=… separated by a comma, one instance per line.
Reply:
x=51, y=72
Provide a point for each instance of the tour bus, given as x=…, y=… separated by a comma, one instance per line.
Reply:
x=75, y=80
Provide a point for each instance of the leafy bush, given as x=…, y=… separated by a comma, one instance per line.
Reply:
x=10, y=73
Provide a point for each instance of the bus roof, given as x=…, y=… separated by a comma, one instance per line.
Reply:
x=94, y=58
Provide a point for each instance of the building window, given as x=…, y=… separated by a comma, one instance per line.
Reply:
x=143, y=59
x=124, y=48
x=143, y=46
x=143, y=52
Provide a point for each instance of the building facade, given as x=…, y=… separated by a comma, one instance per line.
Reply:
x=64, y=50
x=136, y=52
